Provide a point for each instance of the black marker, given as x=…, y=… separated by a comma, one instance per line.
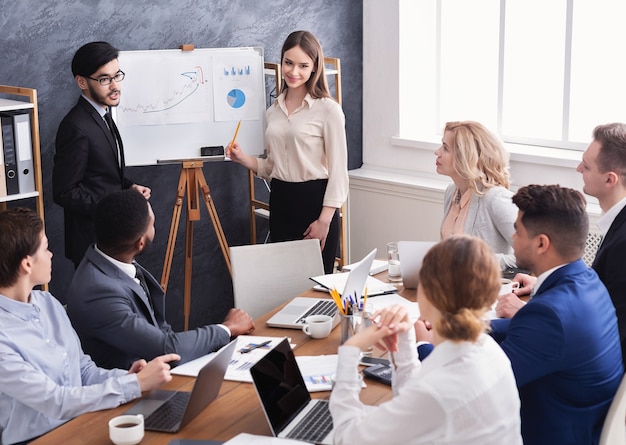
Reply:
x=253, y=347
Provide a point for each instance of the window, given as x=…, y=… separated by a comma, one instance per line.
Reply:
x=537, y=72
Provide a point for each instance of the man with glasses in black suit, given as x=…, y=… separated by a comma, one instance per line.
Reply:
x=89, y=158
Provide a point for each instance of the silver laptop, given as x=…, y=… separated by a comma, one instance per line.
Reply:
x=169, y=411
x=411, y=255
x=293, y=314
x=288, y=407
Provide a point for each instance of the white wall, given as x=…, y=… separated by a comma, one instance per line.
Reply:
x=397, y=194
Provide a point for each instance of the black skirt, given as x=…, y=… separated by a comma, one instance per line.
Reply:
x=294, y=206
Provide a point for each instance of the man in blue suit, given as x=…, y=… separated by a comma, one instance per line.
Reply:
x=564, y=343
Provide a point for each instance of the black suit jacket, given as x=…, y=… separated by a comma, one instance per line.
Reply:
x=85, y=170
x=610, y=265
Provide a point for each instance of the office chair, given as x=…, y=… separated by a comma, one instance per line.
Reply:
x=614, y=428
x=266, y=275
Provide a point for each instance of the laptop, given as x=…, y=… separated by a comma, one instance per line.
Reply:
x=293, y=314
x=169, y=411
x=288, y=407
x=411, y=255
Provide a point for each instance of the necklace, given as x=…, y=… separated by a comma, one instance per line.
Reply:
x=457, y=198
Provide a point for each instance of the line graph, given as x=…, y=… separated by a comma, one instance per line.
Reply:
x=178, y=94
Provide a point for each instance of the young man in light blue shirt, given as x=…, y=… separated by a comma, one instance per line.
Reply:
x=46, y=377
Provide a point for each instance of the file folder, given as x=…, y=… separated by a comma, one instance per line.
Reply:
x=10, y=158
x=3, y=181
x=24, y=150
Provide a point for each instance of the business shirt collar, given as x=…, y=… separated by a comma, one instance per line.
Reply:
x=605, y=221
x=24, y=311
x=128, y=269
x=307, y=99
x=101, y=111
x=541, y=278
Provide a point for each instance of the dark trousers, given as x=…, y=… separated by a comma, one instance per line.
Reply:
x=294, y=206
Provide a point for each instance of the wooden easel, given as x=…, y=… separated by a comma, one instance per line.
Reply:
x=191, y=180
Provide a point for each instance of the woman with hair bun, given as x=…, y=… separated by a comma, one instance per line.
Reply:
x=465, y=392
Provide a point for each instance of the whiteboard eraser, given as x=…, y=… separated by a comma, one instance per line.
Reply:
x=215, y=150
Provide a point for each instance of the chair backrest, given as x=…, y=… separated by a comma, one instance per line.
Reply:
x=614, y=428
x=265, y=275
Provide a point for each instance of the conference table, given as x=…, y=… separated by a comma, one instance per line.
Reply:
x=236, y=409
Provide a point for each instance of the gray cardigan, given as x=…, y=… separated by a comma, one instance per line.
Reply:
x=490, y=217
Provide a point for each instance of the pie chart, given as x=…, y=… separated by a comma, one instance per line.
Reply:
x=236, y=98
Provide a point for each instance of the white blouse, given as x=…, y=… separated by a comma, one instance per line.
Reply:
x=308, y=144
x=464, y=393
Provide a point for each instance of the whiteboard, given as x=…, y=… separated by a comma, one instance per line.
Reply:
x=174, y=102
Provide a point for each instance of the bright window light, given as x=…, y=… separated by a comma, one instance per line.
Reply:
x=537, y=72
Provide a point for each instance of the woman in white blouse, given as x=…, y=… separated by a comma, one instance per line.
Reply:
x=465, y=392
x=306, y=149
x=478, y=202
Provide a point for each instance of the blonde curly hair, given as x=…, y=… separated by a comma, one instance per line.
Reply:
x=479, y=156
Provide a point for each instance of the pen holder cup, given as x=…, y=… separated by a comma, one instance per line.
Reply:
x=353, y=323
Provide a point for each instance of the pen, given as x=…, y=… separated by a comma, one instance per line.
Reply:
x=235, y=136
x=252, y=347
x=337, y=298
x=365, y=299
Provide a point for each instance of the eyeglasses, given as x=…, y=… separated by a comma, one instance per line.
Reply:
x=107, y=80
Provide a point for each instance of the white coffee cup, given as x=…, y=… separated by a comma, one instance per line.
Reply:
x=507, y=286
x=126, y=430
x=318, y=326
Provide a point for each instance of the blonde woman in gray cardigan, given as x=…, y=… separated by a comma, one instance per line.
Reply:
x=478, y=202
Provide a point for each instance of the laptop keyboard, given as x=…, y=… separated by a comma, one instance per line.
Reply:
x=322, y=307
x=315, y=426
x=166, y=416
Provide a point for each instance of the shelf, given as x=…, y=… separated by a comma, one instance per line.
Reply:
x=19, y=196
x=10, y=105
x=29, y=103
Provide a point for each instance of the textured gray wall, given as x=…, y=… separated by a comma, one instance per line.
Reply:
x=38, y=39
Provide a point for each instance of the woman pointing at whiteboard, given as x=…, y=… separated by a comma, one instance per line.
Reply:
x=306, y=151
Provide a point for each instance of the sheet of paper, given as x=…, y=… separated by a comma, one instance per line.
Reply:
x=382, y=301
x=253, y=439
x=238, y=369
x=378, y=266
x=338, y=281
x=193, y=367
x=318, y=371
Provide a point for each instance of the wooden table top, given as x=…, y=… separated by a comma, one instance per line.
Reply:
x=236, y=409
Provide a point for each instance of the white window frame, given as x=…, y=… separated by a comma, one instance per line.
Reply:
x=386, y=154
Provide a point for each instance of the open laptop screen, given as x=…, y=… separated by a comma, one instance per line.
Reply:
x=281, y=388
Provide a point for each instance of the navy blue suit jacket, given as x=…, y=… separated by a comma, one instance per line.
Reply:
x=86, y=168
x=565, y=353
x=610, y=265
x=115, y=323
